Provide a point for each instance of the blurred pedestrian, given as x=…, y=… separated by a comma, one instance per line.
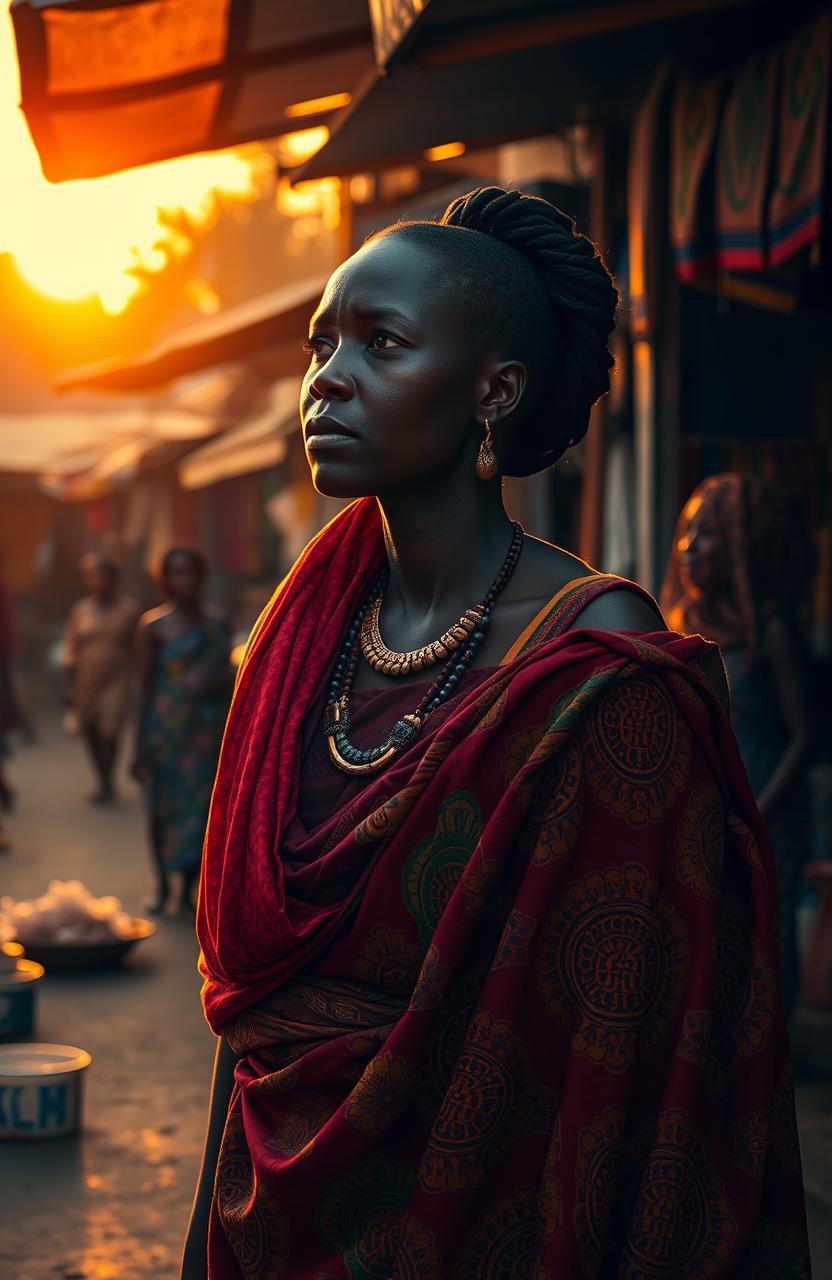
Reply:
x=9, y=713
x=185, y=673
x=98, y=667
x=739, y=566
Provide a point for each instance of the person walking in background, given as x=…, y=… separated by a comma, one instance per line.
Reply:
x=185, y=685
x=98, y=667
x=9, y=714
x=738, y=568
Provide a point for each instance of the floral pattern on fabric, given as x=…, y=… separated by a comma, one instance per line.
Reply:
x=361, y=1216
x=389, y=959
x=638, y=752
x=596, y=1176
x=181, y=736
x=681, y=1223
x=612, y=965
x=505, y=1243
x=701, y=842
x=381, y=1093
x=751, y=1143
x=304, y=1115
x=488, y=1098
x=255, y=1227
x=554, y=816
x=435, y=867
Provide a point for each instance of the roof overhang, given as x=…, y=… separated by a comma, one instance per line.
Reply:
x=254, y=445
x=483, y=74
x=110, y=84
x=265, y=331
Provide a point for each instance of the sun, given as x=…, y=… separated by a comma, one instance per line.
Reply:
x=77, y=240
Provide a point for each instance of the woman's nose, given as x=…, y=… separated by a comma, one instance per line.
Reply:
x=332, y=381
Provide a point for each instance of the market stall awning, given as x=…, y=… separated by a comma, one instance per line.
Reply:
x=431, y=31
x=109, y=85
x=255, y=445
x=482, y=74
x=63, y=443
x=273, y=323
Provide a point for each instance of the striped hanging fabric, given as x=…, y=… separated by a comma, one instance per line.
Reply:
x=743, y=166
x=794, y=214
x=694, y=120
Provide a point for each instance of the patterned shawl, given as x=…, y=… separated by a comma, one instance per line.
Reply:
x=517, y=1017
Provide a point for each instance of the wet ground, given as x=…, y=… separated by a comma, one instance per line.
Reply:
x=113, y=1203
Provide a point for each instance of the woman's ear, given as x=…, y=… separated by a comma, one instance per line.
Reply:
x=506, y=386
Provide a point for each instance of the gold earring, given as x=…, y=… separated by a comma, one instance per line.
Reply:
x=486, y=467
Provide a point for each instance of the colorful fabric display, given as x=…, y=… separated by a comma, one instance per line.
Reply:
x=794, y=215
x=743, y=165
x=694, y=121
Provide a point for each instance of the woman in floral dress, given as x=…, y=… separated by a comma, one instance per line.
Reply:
x=185, y=674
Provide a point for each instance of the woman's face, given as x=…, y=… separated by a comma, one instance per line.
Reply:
x=182, y=580
x=99, y=581
x=699, y=546
x=392, y=388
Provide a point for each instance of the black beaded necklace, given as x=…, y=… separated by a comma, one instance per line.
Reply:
x=350, y=759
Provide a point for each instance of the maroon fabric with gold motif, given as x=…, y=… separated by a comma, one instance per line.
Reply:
x=544, y=1036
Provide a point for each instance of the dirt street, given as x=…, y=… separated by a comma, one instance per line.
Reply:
x=111, y=1204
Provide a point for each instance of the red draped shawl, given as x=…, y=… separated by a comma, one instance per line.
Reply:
x=515, y=1013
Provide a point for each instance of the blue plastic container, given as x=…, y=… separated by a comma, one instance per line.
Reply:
x=17, y=999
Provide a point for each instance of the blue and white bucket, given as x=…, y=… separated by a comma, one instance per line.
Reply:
x=41, y=1090
x=17, y=998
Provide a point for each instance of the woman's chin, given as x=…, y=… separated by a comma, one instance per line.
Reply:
x=332, y=482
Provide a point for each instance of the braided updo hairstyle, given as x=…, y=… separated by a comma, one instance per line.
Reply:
x=538, y=291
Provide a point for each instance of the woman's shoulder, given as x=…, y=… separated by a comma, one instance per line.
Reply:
x=587, y=597
x=619, y=605
x=154, y=619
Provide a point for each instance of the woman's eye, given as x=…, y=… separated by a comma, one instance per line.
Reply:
x=315, y=346
x=382, y=341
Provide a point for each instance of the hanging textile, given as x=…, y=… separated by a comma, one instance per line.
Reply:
x=794, y=214
x=743, y=165
x=694, y=120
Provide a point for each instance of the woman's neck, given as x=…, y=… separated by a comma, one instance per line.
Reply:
x=445, y=549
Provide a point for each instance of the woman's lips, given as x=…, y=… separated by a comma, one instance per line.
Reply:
x=328, y=433
x=321, y=440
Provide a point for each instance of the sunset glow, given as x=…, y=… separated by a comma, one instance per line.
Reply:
x=79, y=239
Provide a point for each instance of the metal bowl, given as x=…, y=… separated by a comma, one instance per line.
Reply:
x=74, y=957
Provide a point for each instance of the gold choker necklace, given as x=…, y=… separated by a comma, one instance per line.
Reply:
x=351, y=759
x=391, y=663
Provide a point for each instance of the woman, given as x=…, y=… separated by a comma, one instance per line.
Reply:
x=185, y=681
x=737, y=572
x=9, y=710
x=492, y=1001
x=98, y=665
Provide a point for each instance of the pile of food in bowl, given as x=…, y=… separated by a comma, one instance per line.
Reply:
x=66, y=913
x=69, y=927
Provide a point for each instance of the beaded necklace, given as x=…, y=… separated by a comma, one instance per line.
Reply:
x=350, y=759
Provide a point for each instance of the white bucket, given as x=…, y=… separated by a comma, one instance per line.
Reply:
x=41, y=1089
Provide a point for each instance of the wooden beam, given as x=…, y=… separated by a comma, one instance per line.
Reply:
x=592, y=491
x=514, y=36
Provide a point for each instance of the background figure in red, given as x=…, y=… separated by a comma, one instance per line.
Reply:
x=738, y=569
x=185, y=672
x=98, y=667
